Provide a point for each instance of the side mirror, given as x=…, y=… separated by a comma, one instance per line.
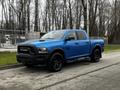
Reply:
x=69, y=38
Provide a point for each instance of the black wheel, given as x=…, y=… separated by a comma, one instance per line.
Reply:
x=56, y=62
x=96, y=55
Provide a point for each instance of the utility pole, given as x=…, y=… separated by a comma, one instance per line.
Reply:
x=88, y=17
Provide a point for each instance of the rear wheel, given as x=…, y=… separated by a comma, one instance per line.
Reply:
x=56, y=62
x=96, y=55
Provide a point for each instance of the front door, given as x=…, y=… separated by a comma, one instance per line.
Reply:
x=71, y=46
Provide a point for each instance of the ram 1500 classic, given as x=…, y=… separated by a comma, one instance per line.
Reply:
x=58, y=47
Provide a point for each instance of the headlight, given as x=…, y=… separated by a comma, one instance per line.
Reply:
x=41, y=50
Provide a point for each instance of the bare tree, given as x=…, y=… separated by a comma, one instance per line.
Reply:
x=62, y=14
x=36, y=15
x=84, y=13
x=28, y=15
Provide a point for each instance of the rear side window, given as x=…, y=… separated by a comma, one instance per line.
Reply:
x=81, y=35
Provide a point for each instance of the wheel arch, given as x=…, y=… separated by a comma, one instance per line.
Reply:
x=97, y=47
x=60, y=51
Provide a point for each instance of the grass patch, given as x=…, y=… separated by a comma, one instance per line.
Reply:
x=109, y=48
x=7, y=58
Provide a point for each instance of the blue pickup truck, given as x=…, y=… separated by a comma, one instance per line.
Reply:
x=59, y=47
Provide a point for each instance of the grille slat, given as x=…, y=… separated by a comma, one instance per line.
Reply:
x=26, y=50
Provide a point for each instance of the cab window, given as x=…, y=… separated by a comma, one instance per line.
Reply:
x=81, y=35
x=71, y=36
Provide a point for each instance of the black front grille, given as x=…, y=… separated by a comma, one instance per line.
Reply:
x=26, y=50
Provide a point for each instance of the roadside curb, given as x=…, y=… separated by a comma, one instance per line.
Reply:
x=10, y=66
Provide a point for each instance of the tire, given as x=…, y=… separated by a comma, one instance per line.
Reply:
x=56, y=62
x=96, y=55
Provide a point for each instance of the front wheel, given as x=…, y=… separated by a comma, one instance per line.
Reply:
x=96, y=55
x=56, y=62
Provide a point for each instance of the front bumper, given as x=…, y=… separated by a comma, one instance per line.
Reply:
x=32, y=59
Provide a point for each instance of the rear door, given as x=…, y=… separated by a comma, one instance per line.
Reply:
x=83, y=43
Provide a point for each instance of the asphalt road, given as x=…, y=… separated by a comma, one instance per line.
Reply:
x=83, y=75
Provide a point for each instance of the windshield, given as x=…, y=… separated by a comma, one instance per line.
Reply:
x=53, y=35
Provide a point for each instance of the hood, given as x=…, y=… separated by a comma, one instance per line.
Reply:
x=41, y=43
